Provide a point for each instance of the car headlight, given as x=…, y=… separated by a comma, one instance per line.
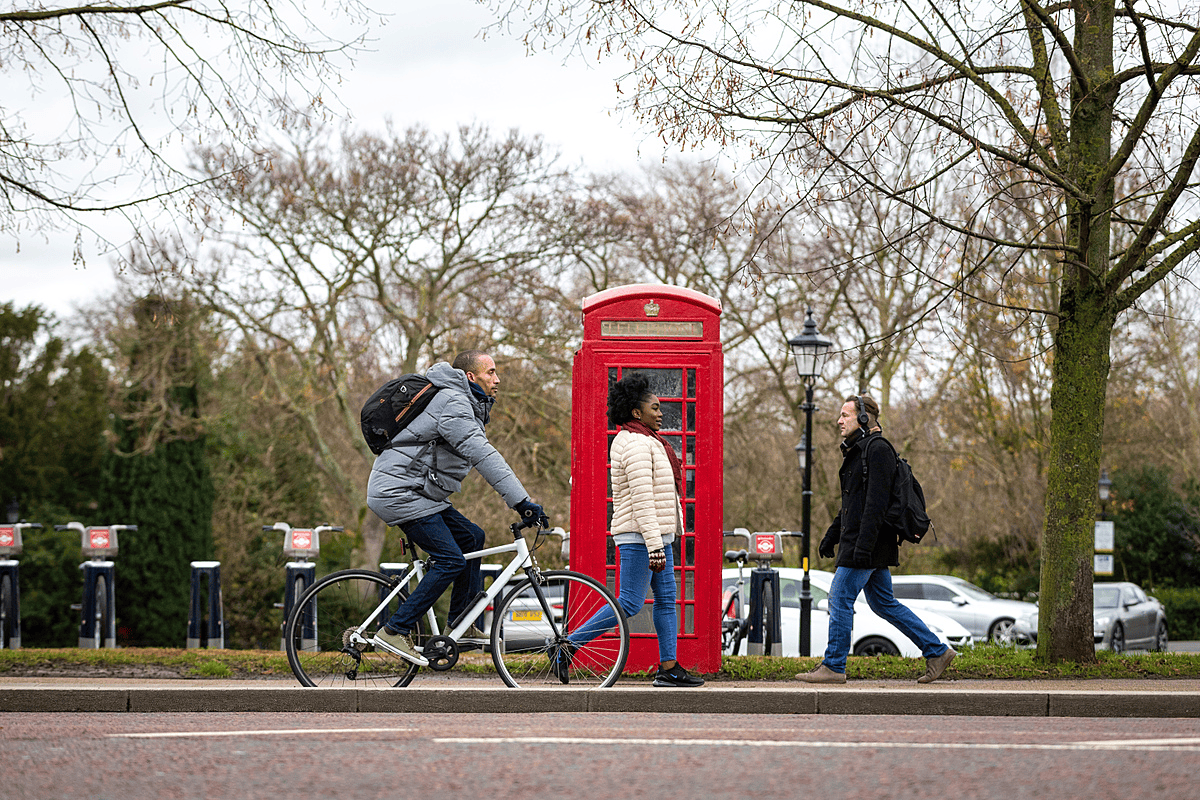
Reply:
x=1099, y=624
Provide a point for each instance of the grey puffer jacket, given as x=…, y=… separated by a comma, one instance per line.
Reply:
x=429, y=459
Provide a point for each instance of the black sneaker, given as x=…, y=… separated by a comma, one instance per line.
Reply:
x=560, y=661
x=677, y=676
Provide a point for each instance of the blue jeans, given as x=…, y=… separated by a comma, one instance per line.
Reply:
x=876, y=584
x=445, y=536
x=635, y=575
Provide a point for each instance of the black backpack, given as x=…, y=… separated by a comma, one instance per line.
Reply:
x=392, y=407
x=906, y=511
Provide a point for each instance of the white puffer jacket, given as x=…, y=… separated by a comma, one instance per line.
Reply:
x=643, y=487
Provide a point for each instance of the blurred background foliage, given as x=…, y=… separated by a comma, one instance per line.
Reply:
x=218, y=390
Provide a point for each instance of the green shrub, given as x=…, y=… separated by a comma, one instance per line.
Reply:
x=1183, y=612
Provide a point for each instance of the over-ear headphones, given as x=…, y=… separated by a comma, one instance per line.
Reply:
x=864, y=419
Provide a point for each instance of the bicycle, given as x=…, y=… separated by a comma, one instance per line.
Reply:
x=734, y=626
x=529, y=627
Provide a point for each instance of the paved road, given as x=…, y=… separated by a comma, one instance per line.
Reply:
x=251, y=756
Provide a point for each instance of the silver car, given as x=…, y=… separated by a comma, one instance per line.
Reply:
x=987, y=617
x=1123, y=618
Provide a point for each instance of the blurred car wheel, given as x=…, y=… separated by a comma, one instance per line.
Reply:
x=876, y=646
x=1001, y=631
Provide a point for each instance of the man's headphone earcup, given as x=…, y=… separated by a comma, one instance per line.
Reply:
x=864, y=419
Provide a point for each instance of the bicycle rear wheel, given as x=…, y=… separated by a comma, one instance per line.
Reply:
x=331, y=609
x=524, y=643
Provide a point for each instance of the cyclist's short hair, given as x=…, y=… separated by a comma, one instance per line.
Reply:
x=469, y=361
x=624, y=396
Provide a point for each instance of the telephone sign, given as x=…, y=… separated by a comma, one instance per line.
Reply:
x=672, y=336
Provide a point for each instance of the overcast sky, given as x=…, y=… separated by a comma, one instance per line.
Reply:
x=430, y=66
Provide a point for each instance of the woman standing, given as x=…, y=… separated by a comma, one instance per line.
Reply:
x=647, y=482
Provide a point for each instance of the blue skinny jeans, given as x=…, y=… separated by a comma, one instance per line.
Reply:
x=635, y=576
x=876, y=584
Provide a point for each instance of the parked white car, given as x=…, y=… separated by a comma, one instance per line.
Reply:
x=871, y=635
x=987, y=617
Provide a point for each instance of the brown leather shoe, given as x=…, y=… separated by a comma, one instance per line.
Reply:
x=934, y=667
x=822, y=674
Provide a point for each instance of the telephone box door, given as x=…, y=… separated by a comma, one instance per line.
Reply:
x=672, y=336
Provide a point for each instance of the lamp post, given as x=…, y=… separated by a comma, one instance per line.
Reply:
x=810, y=351
x=1104, y=487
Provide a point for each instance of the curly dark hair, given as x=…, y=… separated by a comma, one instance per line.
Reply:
x=625, y=395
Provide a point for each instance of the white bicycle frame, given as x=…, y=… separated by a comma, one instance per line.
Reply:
x=417, y=570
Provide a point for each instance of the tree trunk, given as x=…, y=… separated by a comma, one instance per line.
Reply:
x=1080, y=370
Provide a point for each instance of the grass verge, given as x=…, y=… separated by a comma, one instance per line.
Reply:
x=984, y=662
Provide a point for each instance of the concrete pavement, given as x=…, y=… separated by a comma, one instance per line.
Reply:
x=464, y=694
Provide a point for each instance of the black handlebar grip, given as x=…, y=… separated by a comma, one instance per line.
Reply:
x=61, y=527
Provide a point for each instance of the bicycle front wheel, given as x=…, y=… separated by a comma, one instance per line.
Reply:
x=525, y=643
x=318, y=631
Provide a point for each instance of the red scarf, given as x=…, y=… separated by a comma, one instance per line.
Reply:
x=637, y=426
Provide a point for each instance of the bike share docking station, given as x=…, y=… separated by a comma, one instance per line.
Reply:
x=206, y=629
x=10, y=583
x=300, y=544
x=763, y=633
x=98, y=611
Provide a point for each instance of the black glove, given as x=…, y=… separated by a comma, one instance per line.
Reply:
x=530, y=510
x=862, y=559
x=658, y=560
x=828, y=548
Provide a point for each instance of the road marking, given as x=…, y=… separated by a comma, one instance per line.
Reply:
x=282, y=732
x=1149, y=745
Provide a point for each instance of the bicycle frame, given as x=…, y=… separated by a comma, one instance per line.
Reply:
x=522, y=559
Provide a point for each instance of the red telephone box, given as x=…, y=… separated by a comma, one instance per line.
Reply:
x=673, y=336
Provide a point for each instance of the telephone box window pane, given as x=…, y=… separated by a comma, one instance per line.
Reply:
x=689, y=586
x=672, y=416
x=612, y=376
x=691, y=450
x=689, y=518
x=675, y=552
x=663, y=382
x=691, y=383
x=610, y=557
x=608, y=521
x=611, y=580
x=676, y=443
x=691, y=417
x=690, y=483
x=691, y=550
x=689, y=624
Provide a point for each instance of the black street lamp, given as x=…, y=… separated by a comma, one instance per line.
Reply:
x=810, y=351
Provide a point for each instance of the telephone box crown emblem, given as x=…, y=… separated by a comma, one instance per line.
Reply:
x=651, y=309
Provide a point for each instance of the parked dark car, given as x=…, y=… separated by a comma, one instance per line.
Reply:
x=1123, y=618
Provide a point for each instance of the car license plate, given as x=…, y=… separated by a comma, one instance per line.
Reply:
x=527, y=616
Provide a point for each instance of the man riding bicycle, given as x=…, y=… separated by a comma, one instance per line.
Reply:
x=413, y=478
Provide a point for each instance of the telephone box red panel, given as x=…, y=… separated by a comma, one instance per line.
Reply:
x=673, y=336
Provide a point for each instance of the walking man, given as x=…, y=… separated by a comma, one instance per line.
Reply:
x=866, y=547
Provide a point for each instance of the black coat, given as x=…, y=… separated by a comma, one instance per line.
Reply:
x=858, y=530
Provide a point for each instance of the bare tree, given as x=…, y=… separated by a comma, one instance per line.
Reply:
x=1091, y=104
x=102, y=100
x=357, y=259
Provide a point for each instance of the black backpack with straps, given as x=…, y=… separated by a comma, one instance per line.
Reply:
x=905, y=513
x=392, y=407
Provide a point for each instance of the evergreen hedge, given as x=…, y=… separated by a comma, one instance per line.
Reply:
x=1183, y=612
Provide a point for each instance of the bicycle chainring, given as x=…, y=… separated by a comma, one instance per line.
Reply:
x=441, y=651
